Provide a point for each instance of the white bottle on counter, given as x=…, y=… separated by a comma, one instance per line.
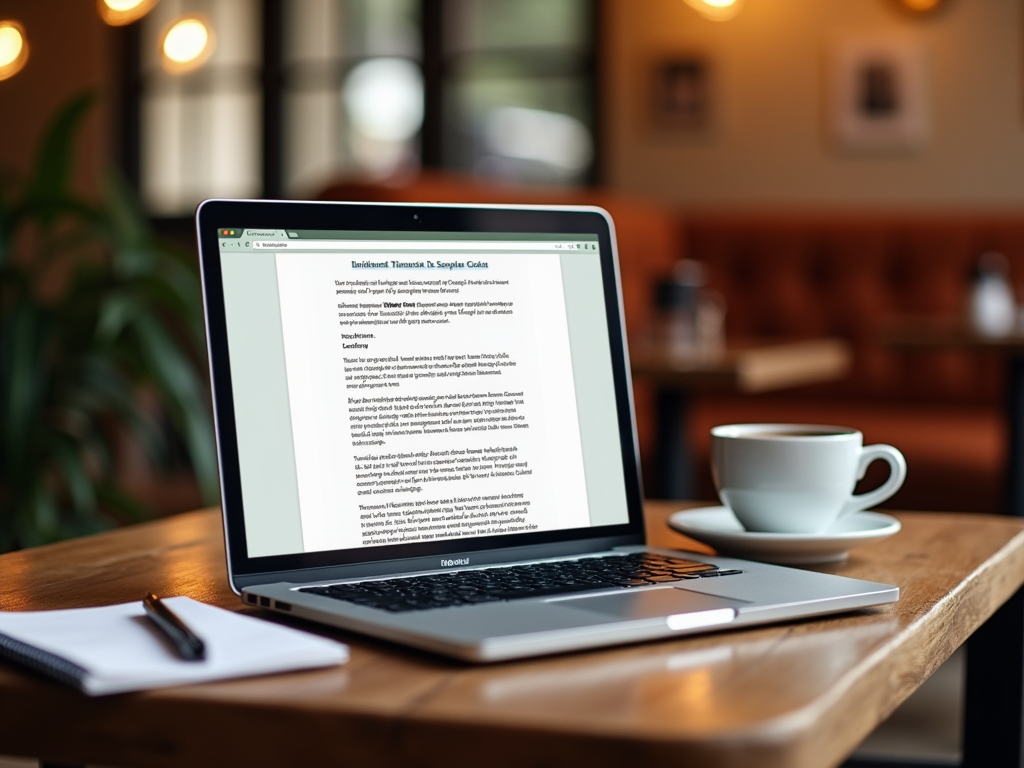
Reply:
x=993, y=310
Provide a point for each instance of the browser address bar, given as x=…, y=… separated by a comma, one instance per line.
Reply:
x=415, y=245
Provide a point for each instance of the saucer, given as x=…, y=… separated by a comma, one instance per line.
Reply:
x=719, y=528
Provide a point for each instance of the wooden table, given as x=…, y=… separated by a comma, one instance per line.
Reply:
x=796, y=695
x=749, y=367
x=944, y=333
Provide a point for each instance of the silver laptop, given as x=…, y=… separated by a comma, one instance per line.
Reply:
x=425, y=431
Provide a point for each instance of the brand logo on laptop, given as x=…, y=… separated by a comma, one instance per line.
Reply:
x=456, y=561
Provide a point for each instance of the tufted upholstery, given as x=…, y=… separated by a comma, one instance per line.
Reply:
x=808, y=277
x=813, y=275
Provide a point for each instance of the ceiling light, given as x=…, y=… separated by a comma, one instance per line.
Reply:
x=716, y=10
x=120, y=12
x=187, y=45
x=13, y=49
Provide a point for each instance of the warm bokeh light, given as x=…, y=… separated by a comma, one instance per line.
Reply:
x=187, y=45
x=186, y=41
x=716, y=10
x=11, y=45
x=921, y=6
x=120, y=12
x=13, y=49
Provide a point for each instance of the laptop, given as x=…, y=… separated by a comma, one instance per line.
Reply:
x=425, y=432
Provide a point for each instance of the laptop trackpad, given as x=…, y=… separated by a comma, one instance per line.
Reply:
x=652, y=603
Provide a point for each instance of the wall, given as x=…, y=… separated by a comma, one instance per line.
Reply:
x=69, y=50
x=769, y=148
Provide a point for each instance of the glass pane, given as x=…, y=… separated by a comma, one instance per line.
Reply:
x=521, y=128
x=475, y=25
x=354, y=91
x=518, y=89
x=312, y=31
x=313, y=151
x=330, y=31
x=382, y=28
x=201, y=130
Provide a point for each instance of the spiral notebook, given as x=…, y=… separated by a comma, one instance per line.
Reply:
x=115, y=648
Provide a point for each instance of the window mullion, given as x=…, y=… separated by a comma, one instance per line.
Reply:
x=273, y=36
x=432, y=133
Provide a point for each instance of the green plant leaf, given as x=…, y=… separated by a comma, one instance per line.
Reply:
x=127, y=506
x=69, y=459
x=184, y=396
x=113, y=356
x=116, y=313
x=127, y=222
x=23, y=338
x=55, y=155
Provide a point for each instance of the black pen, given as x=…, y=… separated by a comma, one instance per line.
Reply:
x=190, y=647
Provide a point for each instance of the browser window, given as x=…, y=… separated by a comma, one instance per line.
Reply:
x=418, y=386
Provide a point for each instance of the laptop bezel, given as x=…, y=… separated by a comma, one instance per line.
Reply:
x=399, y=217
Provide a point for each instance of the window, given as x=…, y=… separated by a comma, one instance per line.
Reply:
x=353, y=90
x=517, y=89
x=201, y=130
x=299, y=92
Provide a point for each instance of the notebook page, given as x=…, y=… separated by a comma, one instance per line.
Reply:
x=123, y=651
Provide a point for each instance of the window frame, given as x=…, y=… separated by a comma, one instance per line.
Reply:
x=128, y=150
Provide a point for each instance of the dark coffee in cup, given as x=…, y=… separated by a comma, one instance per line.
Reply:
x=796, y=433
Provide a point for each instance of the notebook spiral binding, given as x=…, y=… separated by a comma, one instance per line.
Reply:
x=45, y=662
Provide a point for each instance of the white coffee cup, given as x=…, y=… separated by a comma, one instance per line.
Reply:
x=797, y=478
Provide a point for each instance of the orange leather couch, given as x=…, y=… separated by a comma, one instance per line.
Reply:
x=791, y=275
x=805, y=276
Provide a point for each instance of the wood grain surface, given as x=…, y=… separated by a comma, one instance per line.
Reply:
x=751, y=367
x=796, y=694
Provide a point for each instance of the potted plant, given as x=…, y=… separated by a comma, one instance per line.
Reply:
x=101, y=336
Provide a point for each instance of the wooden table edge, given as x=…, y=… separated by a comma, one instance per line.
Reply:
x=833, y=731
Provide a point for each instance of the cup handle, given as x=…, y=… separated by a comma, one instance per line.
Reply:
x=897, y=474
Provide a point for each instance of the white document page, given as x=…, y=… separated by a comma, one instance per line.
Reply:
x=122, y=651
x=432, y=395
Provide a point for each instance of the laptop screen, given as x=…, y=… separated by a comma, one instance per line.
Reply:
x=431, y=387
x=410, y=389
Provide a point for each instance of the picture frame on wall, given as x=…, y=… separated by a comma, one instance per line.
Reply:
x=878, y=96
x=682, y=97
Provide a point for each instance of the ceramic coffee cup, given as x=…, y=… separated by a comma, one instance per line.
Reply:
x=797, y=478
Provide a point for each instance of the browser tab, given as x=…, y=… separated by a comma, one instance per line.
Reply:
x=255, y=233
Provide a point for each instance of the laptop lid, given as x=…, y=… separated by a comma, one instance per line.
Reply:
x=405, y=387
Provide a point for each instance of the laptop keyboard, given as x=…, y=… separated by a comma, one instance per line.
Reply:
x=487, y=585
